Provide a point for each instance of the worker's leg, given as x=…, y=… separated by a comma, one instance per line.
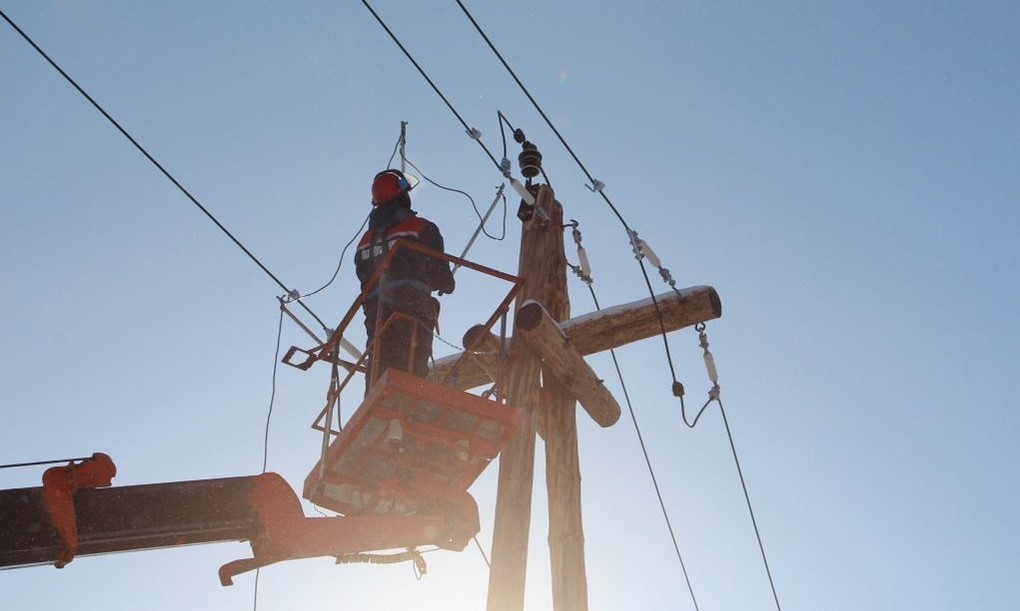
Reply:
x=396, y=343
x=394, y=340
x=426, y=315
x=405, y=340
x=369, y=308
x=395, y=329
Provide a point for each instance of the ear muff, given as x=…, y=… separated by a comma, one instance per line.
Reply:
x=388, y=184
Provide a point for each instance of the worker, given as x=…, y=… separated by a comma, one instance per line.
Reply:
x=407, y=286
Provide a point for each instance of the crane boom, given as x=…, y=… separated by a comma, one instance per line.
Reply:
x=41, y=526
x=127, y=518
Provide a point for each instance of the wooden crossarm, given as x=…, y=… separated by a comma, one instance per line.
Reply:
x=590, y=333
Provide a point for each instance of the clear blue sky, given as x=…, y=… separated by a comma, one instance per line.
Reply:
x=845, y=175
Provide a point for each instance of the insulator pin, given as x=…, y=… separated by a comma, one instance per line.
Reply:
x=713, y=375
x=526, y=195
x=710, y=367
x=649, y=254
x=582, y=257
x=642, y=249
x=530, y=160
x=583, y=269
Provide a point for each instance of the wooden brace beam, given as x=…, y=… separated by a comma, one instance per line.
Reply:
x=559, y=358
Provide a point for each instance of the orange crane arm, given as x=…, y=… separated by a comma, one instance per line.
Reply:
x=74, y=514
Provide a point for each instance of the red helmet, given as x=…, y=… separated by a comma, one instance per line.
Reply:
x=388, y=184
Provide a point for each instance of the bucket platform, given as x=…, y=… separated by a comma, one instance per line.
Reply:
x=413, y=447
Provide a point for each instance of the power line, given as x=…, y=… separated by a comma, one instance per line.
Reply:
x=470, y=130
x=272, y=394
x=491, y=157
x=474, y=206
x=152, y=159
x=591, y=179
x=648, y=462
x=265, y=269
x=539, y=109
x=339, y=262
x=43, y=462
x=714, y=395
x=750, y=510
x=678, y=388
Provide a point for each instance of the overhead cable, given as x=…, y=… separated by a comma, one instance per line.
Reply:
x=596, y=187
x=714, y=395
x=471, y=131
x=158, y=165
x=61, y=461
x=272, y=393
x=482, y=219
x=648, y=462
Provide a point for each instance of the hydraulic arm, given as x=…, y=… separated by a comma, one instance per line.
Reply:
x=73, y=513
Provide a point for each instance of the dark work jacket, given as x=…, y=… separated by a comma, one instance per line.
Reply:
x=410, y=270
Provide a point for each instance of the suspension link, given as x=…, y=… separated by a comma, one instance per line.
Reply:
x=643, y=250
x=583, y=269
x=713, y=374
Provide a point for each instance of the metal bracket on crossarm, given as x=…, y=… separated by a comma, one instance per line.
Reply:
x=60, y=484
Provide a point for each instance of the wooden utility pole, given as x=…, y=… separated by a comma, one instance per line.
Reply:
x=547, y=377
x=542, y=265
x=563, y=486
